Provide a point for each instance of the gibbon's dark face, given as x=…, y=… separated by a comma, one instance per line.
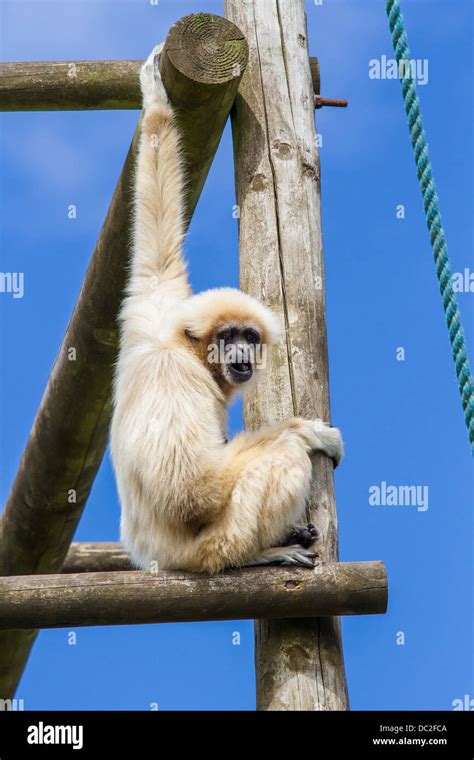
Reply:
x=237, y=352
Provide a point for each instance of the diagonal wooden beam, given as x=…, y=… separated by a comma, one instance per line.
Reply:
x=69, y=434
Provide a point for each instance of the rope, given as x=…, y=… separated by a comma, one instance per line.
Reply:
x=433, y=217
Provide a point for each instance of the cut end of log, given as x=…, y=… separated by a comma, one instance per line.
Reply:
x=207, y=49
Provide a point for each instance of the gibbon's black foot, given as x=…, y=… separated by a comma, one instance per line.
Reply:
x=304, y=535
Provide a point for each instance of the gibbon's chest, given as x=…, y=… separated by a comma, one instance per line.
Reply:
x=183, y=401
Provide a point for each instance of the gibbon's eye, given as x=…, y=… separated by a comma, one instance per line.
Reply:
x=252, y=336
x=189, y=335
x=225, y=335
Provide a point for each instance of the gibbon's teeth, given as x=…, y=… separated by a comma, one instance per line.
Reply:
x=242, y=366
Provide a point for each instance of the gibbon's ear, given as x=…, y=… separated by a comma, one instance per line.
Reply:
x=189, y=335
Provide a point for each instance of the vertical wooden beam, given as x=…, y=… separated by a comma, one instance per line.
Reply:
x=299, y=663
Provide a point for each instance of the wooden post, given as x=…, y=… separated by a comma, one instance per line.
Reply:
x=299, y=663
x=128, y=598
x=69, y=434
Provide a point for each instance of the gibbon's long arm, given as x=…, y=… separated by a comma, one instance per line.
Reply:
x=158, y=265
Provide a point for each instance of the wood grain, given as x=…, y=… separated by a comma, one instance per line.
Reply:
x=69, y=85
x=299, y=663
x=101, y=557
x=84, y=85
x=125, y=598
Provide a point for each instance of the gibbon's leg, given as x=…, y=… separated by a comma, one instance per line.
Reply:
x=268, y=474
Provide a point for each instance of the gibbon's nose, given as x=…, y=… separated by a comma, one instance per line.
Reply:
x=243, y=352
x=242, y=365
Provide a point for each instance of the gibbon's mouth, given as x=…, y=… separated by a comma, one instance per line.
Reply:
x=241, y=371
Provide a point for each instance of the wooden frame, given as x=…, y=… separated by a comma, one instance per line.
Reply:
x=299, y=657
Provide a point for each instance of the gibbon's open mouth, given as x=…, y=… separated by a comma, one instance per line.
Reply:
x=241, y=371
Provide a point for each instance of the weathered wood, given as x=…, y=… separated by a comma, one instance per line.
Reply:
x=102, y=557
x=79, y=85
x=126, y=598
x=69, y=85
x=69, y=434
x=299, y=663
x=315, y=74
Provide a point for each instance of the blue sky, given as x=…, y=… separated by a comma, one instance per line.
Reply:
x=402, y=420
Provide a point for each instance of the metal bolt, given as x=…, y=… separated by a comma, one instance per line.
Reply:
x=319, y=102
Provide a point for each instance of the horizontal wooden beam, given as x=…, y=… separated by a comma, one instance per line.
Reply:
x=77, y=85
x=101, y=557
x=69, y=433
x=124, y=598
x=69, y=85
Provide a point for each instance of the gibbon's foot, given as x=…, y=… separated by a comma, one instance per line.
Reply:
x=153, y=91
x=286, y=555
x=304, y=535
x=328, y=439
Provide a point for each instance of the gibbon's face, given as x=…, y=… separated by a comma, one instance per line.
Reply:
x=238, y=348
x=231, y=333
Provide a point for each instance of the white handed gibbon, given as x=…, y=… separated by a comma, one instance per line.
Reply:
x=190, y=499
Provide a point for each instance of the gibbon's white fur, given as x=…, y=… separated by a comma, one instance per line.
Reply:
x=190, y=500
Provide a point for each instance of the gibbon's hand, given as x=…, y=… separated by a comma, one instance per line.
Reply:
x=153, y=91
x=328, y=439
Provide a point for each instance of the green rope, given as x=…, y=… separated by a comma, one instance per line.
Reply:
x=433, y=217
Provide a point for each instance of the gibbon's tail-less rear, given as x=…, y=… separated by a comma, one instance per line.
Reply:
x=191, y=500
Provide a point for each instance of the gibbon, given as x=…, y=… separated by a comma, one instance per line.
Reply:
x=191, y=500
